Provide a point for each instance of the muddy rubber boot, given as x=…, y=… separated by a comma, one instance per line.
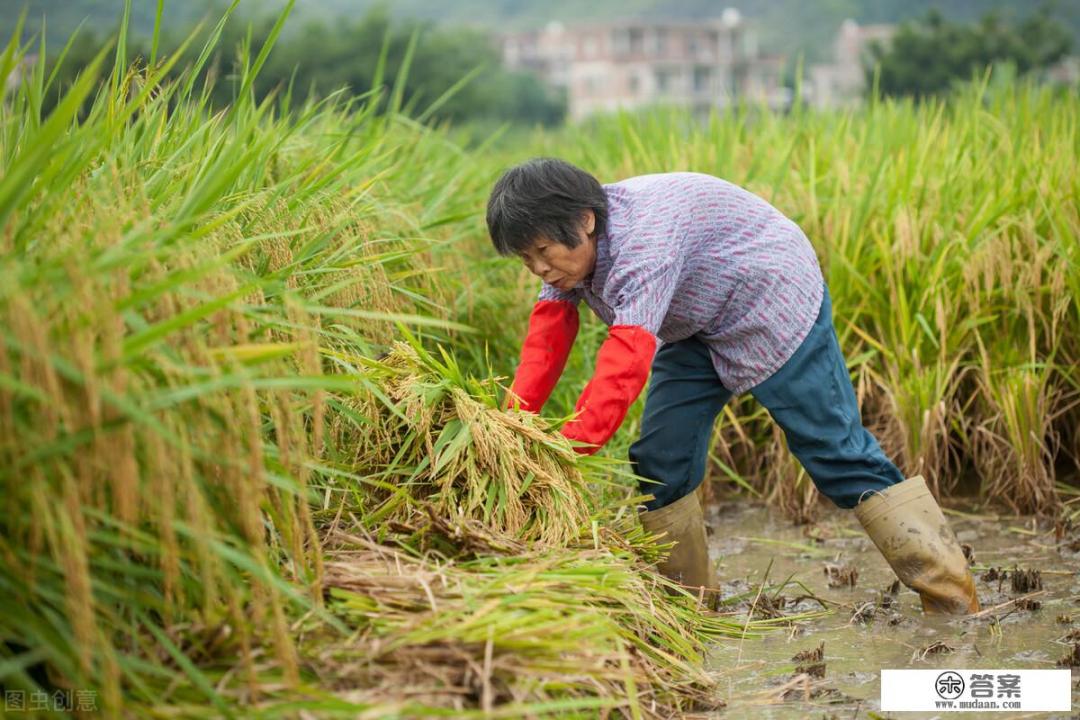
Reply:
x=683, y=523
x=909, y=529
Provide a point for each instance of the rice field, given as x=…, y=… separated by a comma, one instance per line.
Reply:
x=252, y=456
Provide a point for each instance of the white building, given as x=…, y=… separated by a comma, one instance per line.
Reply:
x=632, y=63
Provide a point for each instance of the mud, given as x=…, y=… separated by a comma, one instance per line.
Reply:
x=830, y=667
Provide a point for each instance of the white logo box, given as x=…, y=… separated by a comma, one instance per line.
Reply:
x=976, y=690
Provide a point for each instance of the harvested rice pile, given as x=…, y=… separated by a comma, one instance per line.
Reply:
x=442, y=439
x=480, y=576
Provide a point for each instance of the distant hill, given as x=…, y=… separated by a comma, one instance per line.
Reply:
x=785, y=26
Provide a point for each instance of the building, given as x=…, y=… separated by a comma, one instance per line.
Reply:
x=842, y=82
x=633, y=63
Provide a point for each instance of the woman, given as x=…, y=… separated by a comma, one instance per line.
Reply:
x=732, y=293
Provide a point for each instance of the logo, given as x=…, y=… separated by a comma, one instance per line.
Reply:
x=949, y=685
x=985, y=690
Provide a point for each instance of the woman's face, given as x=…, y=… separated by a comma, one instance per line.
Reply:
x=560, y=266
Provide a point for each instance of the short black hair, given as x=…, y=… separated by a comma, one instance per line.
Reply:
x=543, y=196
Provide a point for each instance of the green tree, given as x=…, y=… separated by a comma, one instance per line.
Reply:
x=929, y=57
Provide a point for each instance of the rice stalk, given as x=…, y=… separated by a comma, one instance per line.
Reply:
x=443, y=440
x=574, y=623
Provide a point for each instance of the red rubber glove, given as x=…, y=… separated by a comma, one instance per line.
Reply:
x=622, y=367
x=553, y=325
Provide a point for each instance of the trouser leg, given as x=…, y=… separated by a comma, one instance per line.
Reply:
x=684, y=397
x=812, y=400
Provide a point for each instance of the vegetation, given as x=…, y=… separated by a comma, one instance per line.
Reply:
x=197, y=493
x=455, y=73
x=793, y=27
x=450, y=74
x=929, y=58
x=250, y=450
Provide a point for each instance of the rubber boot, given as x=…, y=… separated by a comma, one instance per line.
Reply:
x=688, y=564
x=908, y=527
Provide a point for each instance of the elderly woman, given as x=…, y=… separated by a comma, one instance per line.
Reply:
x=732, y=294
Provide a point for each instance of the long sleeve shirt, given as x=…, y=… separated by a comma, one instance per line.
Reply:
x=688, y=254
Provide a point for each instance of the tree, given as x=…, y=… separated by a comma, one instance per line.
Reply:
x=928, y=58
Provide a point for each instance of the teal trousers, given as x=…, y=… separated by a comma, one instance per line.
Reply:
x=810, y=397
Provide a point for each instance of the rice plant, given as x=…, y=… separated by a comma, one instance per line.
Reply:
x=443, y=439
x=168, y=275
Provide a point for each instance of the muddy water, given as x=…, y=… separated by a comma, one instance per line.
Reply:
x=758, y=673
